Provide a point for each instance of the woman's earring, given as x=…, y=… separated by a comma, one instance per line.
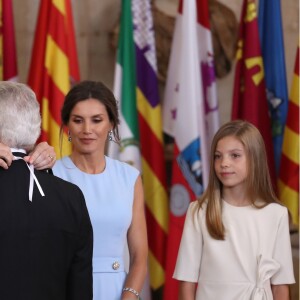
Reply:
x=110, y=137
x=69, y=137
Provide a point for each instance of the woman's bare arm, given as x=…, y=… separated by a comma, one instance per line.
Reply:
x=281, y=292
x=137, y=244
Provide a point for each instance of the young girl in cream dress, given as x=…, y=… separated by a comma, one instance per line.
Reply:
x=235, y=243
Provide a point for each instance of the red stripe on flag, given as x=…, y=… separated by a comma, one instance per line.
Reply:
x=176, y=224
x=36, y=71
x=156, y=238
x=150, y=148
x=57, y=29
x=202, y=9
x=180, y=7
x=290, y=173
x=202, y=15
x=293, y=117
x=9, y=45
x=53, y=93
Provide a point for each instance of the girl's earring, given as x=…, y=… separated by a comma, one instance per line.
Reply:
x=110, y=137
x=69, y=137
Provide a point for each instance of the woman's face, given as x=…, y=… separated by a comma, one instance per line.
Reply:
x=89, y=126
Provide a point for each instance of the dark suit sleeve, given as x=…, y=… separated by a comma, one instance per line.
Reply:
x=80, y=278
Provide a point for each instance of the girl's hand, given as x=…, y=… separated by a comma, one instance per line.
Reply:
x=42, y=156
x=6, y=156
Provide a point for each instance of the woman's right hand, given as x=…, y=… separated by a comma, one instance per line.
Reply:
x=6, y=156
x=42, y=156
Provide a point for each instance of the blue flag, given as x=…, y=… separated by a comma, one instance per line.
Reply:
x=271, y=37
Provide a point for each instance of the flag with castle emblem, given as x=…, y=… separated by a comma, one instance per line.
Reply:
x=190, y=116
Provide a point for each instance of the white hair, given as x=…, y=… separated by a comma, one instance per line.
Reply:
x=20, y=119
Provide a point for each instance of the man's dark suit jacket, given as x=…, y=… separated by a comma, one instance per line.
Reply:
x=45, y=245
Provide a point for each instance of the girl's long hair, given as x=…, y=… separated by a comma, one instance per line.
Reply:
x=259, y=184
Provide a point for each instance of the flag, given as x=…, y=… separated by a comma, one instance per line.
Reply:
x=136, y=88
x=8, y=60
x=190, y=116
x=271, y=39
x=54, y=66
x=125, y=92
x=288, y=183
x=249, y=94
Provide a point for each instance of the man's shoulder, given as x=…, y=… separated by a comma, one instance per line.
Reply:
x=50, y=180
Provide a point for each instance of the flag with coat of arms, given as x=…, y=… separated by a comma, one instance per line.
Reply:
x=190, y=116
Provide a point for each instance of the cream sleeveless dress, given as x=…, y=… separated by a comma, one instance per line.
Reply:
x=255, y=253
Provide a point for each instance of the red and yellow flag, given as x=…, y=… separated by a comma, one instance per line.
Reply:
x=8, y=61
x=54, y=66
x=136, y=88
x=288, y=183
x=249, y=95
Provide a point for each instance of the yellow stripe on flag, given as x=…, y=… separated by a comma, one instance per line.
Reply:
x=150, y=113
x=54, y=141
x=290, y=198
x=289, y=139
x=156, y=197
x=45, y=114
x=157, y=277
x=294, y=97
x=58, y=67
x=60, y=5
x=52, y=129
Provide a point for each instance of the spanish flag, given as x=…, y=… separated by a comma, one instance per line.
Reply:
x=288, y=183
x=54, y=66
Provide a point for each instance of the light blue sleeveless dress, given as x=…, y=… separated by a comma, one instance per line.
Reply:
x=109, y=199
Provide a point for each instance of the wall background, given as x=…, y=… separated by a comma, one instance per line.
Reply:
x=95, y=21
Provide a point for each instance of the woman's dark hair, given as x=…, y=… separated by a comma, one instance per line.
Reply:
x=91, y=89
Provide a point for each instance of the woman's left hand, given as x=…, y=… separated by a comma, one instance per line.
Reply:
x=42, y=156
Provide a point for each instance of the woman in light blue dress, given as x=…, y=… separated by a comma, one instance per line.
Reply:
x=113, y=191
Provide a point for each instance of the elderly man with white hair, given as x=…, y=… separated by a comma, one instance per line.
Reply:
x=46, y=235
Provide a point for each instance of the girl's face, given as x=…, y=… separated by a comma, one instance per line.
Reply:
x=230, y=162
x=89, y=126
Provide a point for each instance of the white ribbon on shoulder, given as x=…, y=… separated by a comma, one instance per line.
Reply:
x=266, y=268
x=32, y=175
